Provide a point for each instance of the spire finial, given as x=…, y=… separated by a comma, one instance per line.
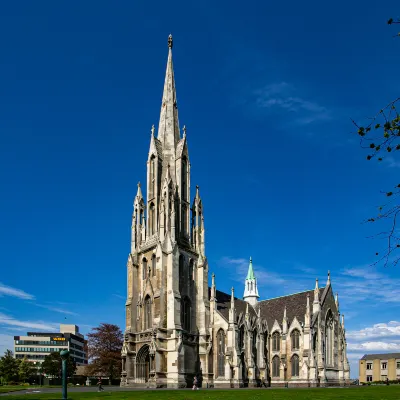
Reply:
x=138, y=185
x=184, y=130
x=152, y=130
x=170, y=41
x=329, y=276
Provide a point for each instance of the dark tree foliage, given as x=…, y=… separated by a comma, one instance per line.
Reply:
x=105, y=344
x=52, y=365
x=381, y=136
x=26, y=370
x=9, y=367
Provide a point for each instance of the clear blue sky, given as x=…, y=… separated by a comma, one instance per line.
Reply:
x=266, y=91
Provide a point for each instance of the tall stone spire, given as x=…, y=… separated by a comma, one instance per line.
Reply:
x=168, y=127
x=250, y=286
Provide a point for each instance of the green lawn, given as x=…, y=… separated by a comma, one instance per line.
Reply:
x=359, y=393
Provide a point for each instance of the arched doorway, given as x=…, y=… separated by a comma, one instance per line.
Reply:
x=143, y=364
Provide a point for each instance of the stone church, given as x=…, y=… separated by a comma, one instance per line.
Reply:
x=178, y=327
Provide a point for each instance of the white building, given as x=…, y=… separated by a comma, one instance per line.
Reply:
x=37, y=345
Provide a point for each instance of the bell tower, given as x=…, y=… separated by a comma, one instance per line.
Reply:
x=167, y=309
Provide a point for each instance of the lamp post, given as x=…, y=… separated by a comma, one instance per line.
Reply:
x=64, y=357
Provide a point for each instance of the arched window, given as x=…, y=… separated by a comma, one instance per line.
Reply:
x=152, y=219
x=276, y=342
x=221, y=353
x=152, y=176
x=315, y=342
x=295, y=339
x=147, y=313
x=241, y=338
x=254, y=345
x=190, y=273
x=276, y=364
x=144, y=268
x=184, y=178
x=266, y=346
x=184, y=217
x=153, y=264
x=181, y=272
x=295, y=365
x=186, y=314
x=329, y=338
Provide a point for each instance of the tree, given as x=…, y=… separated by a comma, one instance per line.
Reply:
x=9, y=367
x=25, y=370
x=104, y=344
x=381, y=136
x=52, y=365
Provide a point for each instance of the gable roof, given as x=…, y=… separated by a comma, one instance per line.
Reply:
x=296, y=303
x=386, y=356
x=224, y=303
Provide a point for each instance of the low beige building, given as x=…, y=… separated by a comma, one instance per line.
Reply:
x=379, y=367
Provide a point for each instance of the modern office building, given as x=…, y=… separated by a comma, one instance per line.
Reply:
x=37, y=345
x=379, y=367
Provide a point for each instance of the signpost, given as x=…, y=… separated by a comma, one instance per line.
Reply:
x=64, y=356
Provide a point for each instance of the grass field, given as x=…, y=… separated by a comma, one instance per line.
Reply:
x=356, y=393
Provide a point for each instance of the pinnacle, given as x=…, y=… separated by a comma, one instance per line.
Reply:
x=250, y=273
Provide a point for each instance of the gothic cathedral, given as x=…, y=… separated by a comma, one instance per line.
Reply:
x=177, y=327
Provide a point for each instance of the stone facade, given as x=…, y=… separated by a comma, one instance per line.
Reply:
x=177, y=327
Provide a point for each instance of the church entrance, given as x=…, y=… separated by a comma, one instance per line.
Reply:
x=143, y=364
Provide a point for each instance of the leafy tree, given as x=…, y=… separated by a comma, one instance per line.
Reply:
x=52, y=365
x=9, y=367
x=381, y=136
x=25, y=370
x=104, y=344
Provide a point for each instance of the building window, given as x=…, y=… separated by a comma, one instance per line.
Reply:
x=241, y=338
x=185, y=314
x=190, y=272
x=152, y=219
x=221, y=353
x=152, y=177
x=384, y=365
x=276, y=341
x=276, y=364
x=295, y=340
x=147, y=311
x=329, y=339
x=184, y=218
x=184, y=178
x=153, y=264
x=369, y=366
x=295, y=365
x=254, y=345
x=398, y=364
x=369, y=378
x=144, y=268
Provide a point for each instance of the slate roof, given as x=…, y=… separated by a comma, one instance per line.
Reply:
x=386, y=356
x=224, y=303
x=273, y=309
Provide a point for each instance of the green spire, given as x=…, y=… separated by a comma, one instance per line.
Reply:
x=250, y=273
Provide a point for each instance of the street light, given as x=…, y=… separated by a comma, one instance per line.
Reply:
x=64, y=357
